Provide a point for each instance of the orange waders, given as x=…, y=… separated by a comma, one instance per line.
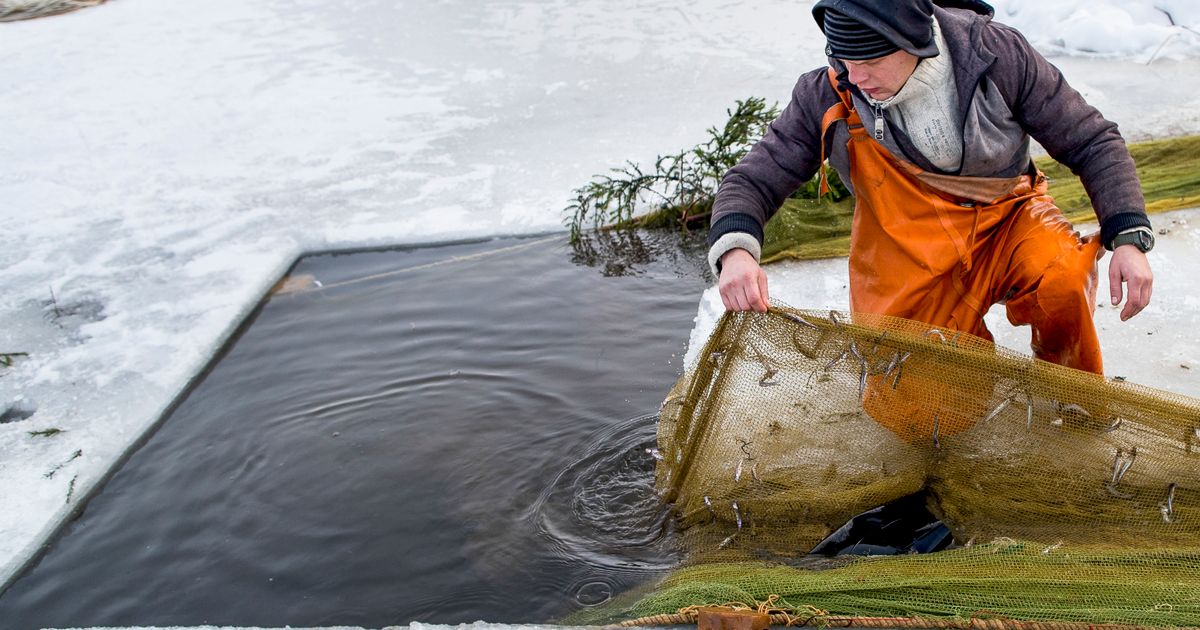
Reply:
x=943, y=249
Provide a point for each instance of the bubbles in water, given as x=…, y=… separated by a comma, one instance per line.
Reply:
x=594, y=593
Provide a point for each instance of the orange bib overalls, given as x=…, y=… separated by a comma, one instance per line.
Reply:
x=943, y=249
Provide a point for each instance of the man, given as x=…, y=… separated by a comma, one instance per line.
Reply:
x=926, y=112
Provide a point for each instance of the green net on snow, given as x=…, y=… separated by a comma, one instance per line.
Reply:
x=1071, y=498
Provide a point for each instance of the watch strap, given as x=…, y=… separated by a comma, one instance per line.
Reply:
x=1140, y=237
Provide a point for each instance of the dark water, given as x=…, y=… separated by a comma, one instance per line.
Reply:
x=463, y=440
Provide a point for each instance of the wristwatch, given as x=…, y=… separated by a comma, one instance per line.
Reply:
x=1141, y=237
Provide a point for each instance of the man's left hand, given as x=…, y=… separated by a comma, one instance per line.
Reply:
x=1130, y=268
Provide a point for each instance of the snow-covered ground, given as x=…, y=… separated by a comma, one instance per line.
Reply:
x=162, y=163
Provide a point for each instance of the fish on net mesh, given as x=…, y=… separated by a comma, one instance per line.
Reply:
x=1065, y=499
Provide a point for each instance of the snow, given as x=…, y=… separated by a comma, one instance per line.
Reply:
x=163, y=165
x=1108, y=28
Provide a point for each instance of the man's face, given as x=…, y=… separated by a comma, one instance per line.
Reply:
x=882, y=77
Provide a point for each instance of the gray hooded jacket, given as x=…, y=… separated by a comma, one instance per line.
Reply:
x=1007, y=92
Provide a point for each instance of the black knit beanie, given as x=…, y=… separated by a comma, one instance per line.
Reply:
x=848, y=38
x=867, y=29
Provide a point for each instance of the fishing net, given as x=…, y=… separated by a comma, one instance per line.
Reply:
x=13, y=10
x=1071, y=498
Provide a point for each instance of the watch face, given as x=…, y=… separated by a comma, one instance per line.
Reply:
x=1145, y=241
x=1140, y=239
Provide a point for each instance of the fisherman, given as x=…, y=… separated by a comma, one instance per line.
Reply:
x=926, y=113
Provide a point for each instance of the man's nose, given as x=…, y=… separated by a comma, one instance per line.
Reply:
x=857, y=76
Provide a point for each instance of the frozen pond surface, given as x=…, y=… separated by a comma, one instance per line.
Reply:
x=163, y=164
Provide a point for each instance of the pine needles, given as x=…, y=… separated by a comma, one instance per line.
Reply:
x=680, y=189
x=680, y=185
x=8, y=358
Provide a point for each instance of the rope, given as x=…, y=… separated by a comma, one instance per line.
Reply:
x=452, y=259
x=690, y=614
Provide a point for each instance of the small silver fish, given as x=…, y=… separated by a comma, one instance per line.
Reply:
x=862, y=368
x=1168, y=508
x=800, y=320
x=999, y=408
x=1121, y=465
x=668, y=401
x=900, y=368
x=768, y=379
x=886, y=368
x=837, y=359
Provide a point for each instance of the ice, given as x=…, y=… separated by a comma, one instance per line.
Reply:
x=1141, y=29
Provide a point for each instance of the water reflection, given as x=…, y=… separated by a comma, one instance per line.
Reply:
x=634, y=252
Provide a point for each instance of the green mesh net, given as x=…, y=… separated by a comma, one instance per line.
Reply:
x=1071, y=498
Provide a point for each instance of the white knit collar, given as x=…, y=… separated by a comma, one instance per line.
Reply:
x=930, y=72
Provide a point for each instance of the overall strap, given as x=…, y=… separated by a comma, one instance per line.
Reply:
x=842, y=110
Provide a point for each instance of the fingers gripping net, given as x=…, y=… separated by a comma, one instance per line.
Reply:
x=1083, y=494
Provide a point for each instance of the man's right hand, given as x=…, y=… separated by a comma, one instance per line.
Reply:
x=743, y=283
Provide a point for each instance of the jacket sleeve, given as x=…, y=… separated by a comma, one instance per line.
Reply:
x=787, y=156
x=1072, y=131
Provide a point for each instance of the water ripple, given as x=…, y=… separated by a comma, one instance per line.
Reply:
x=603, y=506
x=593, y=591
